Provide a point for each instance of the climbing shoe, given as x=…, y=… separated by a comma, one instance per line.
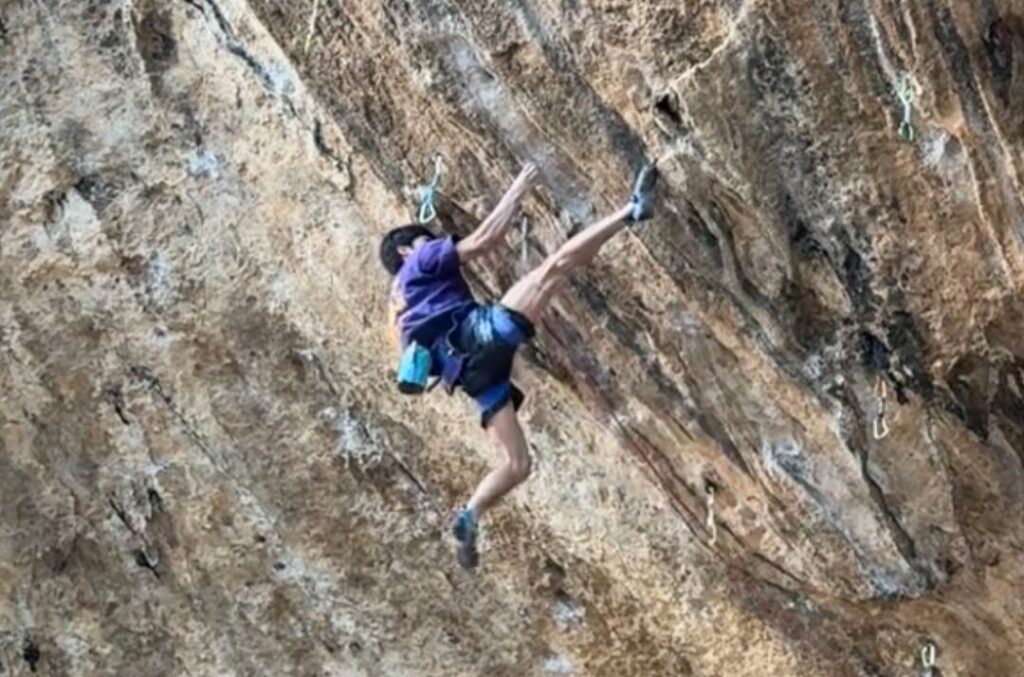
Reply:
x=465, y=529
x=643, y=194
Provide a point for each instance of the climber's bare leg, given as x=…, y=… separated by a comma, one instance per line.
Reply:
x=532, y=294
x=529, y=296
x=505, y=431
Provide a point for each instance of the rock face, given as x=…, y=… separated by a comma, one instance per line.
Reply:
x=206, y=470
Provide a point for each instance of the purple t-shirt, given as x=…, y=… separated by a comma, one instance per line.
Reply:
x=431, y=283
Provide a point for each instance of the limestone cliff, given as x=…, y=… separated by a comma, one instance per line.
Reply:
x=206, y=470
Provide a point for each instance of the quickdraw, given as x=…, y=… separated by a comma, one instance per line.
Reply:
x=524, y=229
x=427, y=212
x=881, y=426
x=905, y=93
x=312, y=29
x=928, y=659
x=709, y=492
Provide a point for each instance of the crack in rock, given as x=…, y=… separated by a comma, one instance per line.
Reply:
x=275, y=81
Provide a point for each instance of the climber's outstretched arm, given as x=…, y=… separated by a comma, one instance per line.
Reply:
x=492, y=229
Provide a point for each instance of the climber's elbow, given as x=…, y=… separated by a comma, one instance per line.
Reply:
x=475, y=245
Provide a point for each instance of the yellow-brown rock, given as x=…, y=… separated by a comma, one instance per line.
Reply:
x=205, y=468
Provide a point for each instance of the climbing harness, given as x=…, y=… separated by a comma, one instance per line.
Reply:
x=905, y=93
x=928, y=659
x=709, y=492
x=427, y=212
x=524, y=231
x=881, y=427
x=312, y=28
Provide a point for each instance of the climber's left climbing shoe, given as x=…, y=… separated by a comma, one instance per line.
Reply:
x=465, y=529
x=642, y=198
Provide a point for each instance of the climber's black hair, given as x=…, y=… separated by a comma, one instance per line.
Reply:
x=403, y=236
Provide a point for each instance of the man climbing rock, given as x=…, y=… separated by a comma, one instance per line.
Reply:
x=470, y=345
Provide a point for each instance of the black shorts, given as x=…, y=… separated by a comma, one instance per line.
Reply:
x=488, y=338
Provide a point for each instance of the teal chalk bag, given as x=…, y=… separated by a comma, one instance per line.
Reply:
x=414, y=369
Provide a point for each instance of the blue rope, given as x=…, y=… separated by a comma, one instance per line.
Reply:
x=427, y=212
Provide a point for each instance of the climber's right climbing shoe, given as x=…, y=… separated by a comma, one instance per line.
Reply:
x=465, y=529
x=642, y=198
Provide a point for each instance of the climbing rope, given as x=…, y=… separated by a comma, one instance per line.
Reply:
x=427, y=212
x=905, y=93
x=928, y=659
x=881, y=426
x=312, y=28
x=524, y=228
x=709, y=492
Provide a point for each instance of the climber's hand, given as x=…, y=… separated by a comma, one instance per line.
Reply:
x=528, y=176
x=491, y=231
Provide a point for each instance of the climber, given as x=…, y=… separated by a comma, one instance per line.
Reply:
x=446, y=333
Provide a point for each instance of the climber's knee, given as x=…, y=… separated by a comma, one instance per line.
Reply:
x=531, y=294
x=520, y=467
x=508, y=433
